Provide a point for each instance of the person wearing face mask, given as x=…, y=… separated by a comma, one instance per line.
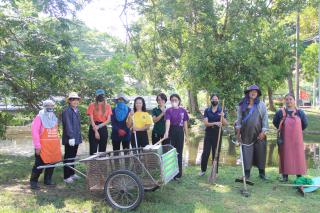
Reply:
x=158, y=119
x=71, y=135
x=176, y=119
x=251, y=126
x=46, y=143
x=140, y=122
x=212, y=122
x=120, y=130
x=291, y=121
x=100, y=114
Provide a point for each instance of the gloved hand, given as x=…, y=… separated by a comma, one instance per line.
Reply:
x=72, y=142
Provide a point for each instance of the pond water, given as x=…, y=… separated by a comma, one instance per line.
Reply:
x=22, y=145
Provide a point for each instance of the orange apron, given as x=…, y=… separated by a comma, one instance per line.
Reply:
x=50, y=145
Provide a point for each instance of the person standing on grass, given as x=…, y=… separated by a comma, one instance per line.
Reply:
x=140, y=122
x=120, y=130
x=252, y=125
x=176, y=128
x=46, y=143
x=158, y=113
x=291, y=122
x=212, y=117
x=100, y=114
x=71, y=136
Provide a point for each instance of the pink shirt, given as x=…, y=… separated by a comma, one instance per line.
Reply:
x=36, y=129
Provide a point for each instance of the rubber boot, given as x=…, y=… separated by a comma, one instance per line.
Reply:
x=262, y=174
x=48, y=177
x=284, y=178
x=34, y=181
x=247, y=173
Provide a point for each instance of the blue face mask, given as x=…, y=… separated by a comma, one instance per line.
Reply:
x=49, y=109
x=121, y=111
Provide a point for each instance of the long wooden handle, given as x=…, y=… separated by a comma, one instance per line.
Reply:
x=219, y=135
x=159, y=142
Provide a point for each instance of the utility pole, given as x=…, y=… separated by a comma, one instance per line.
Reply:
x=297, y=58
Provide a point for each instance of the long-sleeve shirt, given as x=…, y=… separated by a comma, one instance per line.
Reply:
x=261, y=107
x=36, y=129
x=116, y=125
x=71, y=126
x=278, y=116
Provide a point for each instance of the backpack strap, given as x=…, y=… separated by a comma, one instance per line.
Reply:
x=284, y=115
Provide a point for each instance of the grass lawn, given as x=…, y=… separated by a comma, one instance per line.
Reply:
x=192, y=194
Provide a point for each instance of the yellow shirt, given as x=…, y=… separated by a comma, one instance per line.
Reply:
x=140, y=119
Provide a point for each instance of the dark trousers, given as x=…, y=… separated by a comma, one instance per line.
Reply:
x=37, y=172
x=176, y=138
x=210, y=143
x=156, y=137
x=95, y=144
x=142, y=139
x=116, y=144
x=69, y=152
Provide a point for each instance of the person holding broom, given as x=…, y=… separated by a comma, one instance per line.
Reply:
x=251, y=126
x=140, y=121
x=212, y=117
x=99, y=113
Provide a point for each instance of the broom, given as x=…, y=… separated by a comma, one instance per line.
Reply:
x=213, y=175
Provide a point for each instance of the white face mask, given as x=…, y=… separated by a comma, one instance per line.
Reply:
x=174, y=104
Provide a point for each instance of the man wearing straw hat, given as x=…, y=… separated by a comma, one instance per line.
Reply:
x=71, y=136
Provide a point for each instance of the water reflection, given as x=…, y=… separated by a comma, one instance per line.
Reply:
x=230, y=153
x=22, y=145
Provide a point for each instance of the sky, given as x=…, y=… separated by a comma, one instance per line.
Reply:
x=104, y=16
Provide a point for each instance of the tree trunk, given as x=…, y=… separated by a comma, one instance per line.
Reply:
x=290, y=83
x=193, y=102
x=270, y=95
x=297, y=58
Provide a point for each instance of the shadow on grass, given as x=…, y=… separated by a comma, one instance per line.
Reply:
x=191, y=194
x=15, y=172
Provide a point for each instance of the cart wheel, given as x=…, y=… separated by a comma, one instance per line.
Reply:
x=123, y=190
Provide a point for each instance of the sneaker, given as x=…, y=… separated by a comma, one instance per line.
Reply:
x=75, y=177
x=68, y=180
x=202, y=173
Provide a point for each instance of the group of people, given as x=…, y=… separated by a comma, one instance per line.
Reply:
x=129, y=127
x=251, y=128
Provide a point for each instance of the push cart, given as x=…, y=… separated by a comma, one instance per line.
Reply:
x=125, y=175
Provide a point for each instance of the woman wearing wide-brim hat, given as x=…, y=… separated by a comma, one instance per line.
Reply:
x=120, y=126
x=71, y=135
x=252, y=125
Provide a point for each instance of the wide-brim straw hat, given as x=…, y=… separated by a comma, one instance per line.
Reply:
x=73, y=95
